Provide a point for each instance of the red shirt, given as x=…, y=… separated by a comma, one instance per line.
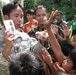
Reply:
x=30, y=25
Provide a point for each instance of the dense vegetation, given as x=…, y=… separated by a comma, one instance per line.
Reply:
x=68, y=7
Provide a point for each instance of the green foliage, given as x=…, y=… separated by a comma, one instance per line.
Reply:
x=66, y=6
x=28, y=4
x=1, y=23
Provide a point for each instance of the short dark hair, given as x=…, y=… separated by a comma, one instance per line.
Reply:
x=30, y=11
x=40, y=7
x=66, y=47
x=74, y=15
x=60, y=12
x=25, y=63
x=7, y=9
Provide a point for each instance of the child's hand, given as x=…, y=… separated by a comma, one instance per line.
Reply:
x=46, y=57
x=49, y=21
x=57, y=67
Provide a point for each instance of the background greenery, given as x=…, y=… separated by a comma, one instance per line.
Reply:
x=68, y=7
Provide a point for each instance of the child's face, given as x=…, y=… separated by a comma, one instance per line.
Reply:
x=67, y=65
x=29, y=17
x=16, y=15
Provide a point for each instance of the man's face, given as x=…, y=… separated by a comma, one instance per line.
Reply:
x=58, y=16
x=41, y=16
x=16, y=15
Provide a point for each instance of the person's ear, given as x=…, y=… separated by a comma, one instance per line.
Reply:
x=5, y=17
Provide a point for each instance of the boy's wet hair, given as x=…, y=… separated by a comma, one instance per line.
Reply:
x=25, y=63
x=66, y=47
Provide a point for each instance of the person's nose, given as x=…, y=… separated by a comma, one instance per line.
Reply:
x=41, y=17
x=20, y=19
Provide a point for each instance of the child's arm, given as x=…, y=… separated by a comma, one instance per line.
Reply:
x=46, y=57
x=46, y=60
x=54, y=43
